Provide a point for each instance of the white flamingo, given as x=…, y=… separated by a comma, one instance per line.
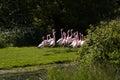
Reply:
x=79, y=41
x=82, y=41
x=51, y=41
x=75, y=40
x=43, y=43
x=59, y=41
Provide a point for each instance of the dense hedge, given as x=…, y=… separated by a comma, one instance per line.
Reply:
x=103, y=43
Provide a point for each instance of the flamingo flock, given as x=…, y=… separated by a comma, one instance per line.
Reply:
x=67, y=39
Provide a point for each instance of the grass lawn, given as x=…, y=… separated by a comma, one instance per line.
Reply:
x=15, y=57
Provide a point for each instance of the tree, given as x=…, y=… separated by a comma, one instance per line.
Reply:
x=43, y=15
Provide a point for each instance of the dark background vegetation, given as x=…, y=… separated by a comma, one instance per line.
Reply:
x=24, y=22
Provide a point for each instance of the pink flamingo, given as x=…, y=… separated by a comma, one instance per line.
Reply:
x=81, y=41
x=69, y=37
x=64, y=41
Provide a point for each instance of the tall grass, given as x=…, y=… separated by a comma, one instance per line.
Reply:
x=84, y=72
x=72, y=71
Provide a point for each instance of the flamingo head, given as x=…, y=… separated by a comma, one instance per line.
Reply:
x=53, y=30
x=61, y=29
x=71, y=29
x=76, y=32
x=43, y=37
x=68, y=31
x=64, y=33
x=82, y=35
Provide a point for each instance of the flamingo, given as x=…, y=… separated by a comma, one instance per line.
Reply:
x=59, y=41
x=43, y=43
x=51, y=41
x=79, y=41
x=69, y=37
x=64, y=41
x=72, y=39
x=49, y=38
x=82, y=41
x=75, y=40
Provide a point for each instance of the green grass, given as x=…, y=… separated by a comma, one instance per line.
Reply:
x=13, y=57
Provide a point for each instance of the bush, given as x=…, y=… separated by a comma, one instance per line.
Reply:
x=28, y=36
x=102, y=43
x=19, y=37
x=2, y=43
x=6, y=38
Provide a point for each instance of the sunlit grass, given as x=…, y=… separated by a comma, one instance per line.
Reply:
x=13, y=57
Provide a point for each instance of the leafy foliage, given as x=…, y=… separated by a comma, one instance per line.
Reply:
x=102, y=42
x=6, y=38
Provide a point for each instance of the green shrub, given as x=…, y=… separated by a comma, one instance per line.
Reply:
x=103, y=43
x=2, y=43
x=6, y=39
x=19, y=37
x=26, y=36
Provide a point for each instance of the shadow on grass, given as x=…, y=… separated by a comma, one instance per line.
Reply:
x=62, y=62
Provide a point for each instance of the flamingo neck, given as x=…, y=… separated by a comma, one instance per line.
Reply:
x=61, y=34
x=68, y=34
x=43, y=38
x=47, y=37
x=64, y=35
x=81, y=37
x=54, y=36
x=71, y=33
